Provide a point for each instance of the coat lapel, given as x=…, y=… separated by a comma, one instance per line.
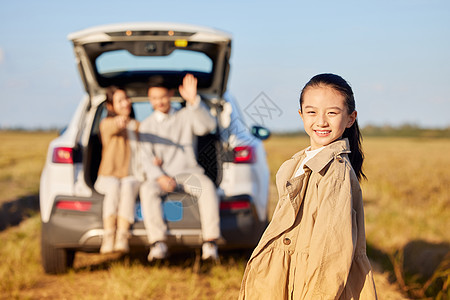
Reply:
x=291, y=191
x=288, y=205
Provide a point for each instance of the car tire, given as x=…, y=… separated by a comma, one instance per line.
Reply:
x=55, y=260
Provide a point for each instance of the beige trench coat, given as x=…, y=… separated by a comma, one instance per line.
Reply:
x=315, y=246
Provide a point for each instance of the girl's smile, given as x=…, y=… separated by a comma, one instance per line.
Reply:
x=324, y=114
x=322, y=132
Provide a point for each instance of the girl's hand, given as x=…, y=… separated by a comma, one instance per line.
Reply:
x=188, y=90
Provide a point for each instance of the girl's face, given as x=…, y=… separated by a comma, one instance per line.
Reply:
x=121, y=103
x=325, y=115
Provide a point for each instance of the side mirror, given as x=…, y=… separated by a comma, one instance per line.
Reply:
x=260, y=132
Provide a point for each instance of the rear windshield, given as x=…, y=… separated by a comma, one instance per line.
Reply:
x=178, y=60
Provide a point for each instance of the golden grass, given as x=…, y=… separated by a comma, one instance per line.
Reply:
x=19, y=268
x=406, y=199
x=408, y=191
x=110, y=277
x=22, y=156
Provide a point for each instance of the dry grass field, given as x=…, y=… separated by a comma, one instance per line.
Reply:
x=22, y=156
x=407, y=205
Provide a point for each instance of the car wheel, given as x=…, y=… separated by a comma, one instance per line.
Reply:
x=55, y=260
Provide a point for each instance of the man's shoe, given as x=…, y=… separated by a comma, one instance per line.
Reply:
x=209, y=251
x=158, y=251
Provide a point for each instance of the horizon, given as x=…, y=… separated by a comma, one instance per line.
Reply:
x=368, y=127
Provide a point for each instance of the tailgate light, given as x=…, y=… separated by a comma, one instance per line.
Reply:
x=142, y=33
x=181, y=43
x=62, y=155
x=244, y=154
x=234, y=205
x=74, y=205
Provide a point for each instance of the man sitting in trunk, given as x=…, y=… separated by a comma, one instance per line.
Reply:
x=168, y=138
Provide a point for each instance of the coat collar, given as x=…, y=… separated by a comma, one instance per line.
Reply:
x=322, y=158
x=316, y=164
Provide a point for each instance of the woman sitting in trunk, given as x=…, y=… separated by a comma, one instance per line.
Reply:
x=118, y=175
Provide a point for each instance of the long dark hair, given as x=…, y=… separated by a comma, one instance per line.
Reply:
x=110, y=91
x=352, y=133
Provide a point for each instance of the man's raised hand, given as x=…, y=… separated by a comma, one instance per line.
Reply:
x=188, y=90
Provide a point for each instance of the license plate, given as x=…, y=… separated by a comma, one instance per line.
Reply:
x=172, y=211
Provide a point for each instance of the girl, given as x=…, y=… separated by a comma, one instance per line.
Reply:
x=315, y=245
x=118, y=173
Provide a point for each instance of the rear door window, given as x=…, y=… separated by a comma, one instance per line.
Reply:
x=178, y=60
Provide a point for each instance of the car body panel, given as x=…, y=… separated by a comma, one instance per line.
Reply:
x=57, y=179
x=83, y=230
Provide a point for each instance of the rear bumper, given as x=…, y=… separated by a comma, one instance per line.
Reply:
x=83, y=230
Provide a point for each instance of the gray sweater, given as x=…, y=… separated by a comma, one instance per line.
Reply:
x=174, y=140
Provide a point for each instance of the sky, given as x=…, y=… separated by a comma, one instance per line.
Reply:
x=394, y=53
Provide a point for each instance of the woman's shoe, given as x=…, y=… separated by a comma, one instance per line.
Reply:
x=108, y=241
x=121, y=243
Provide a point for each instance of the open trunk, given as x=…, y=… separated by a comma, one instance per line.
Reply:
x=131, y=55
x=209, y=154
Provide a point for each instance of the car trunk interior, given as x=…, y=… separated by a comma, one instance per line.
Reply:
x=209, y=149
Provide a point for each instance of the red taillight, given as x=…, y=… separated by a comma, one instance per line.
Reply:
x=74, y=205
x=62, y=155
x=244, y=154
x=234, y=205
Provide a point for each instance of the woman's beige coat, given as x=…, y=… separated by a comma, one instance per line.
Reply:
x=315, y=246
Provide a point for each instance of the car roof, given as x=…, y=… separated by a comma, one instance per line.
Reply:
x=200, y=33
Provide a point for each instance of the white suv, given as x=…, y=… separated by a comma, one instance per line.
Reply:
x=233, y=156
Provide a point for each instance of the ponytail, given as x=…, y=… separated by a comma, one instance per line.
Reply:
x=356, y=156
